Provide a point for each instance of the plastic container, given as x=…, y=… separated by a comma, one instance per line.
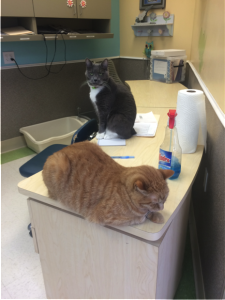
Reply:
x=168, y=66
x=60, y=131
x=170, y=152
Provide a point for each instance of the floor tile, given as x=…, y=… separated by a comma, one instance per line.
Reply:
x=28, y=286
x=16, y=164
x=21, y=274
x=5, y=293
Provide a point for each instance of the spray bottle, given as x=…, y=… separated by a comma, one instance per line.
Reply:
x=170, y=151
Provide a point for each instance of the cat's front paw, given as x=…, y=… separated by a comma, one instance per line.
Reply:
x=100, y=136
x=111, y=135
x=107, y=137
x=155, y=217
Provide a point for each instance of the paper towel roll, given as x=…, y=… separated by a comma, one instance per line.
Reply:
x=191, y=119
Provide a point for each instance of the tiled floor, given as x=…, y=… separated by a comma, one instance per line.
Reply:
x=21, y=275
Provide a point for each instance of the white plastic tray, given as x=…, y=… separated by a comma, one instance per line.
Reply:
x=60, y=131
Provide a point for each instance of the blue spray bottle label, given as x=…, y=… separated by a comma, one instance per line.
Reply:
x=165, y=159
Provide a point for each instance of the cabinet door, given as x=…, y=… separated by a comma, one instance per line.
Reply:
x=78, y=258
x=17, y=8
x=95, y=9
x=54, y=9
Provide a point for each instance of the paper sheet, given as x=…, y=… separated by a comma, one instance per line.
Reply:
x=112, y=142
x=160, y=67
x=19, y=30
x=146, y=118
x=145, y=129
x=146, y=124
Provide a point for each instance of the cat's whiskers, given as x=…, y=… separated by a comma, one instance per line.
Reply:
x=106, y=85
x=84, y=83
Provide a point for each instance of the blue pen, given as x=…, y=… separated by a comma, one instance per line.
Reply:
x=125, y=157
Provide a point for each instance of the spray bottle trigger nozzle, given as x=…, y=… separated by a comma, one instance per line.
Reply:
x=172, y=114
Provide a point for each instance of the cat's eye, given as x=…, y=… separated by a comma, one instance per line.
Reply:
x=100, y=74
x=91, y=74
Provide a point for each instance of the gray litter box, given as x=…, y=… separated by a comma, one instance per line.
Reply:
x=60, y=131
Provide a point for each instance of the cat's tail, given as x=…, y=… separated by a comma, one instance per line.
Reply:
x=56, y=170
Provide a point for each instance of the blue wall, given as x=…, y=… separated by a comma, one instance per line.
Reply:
x=35, y=52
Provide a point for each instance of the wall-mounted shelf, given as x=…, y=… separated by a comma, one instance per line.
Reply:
x=91, y=29
x=157, y=27
x=49, y=37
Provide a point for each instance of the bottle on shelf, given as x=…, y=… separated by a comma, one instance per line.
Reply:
x=170, y=152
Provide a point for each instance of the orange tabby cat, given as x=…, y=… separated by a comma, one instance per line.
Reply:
x=91, y=183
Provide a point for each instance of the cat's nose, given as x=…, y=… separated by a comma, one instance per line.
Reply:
x=95, y=79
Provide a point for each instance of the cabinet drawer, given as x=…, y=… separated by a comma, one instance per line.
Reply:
x=54, y=9
x=17, y=8
x=95, y=9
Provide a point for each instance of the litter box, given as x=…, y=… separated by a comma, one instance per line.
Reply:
x=60, y=131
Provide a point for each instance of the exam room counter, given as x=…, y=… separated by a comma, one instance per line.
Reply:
x=84, y=260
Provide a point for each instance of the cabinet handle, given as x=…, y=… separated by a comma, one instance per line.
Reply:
x=75, y=9
x=24, y=39
x=90, y=36
x=51, y=37
x=34, y=239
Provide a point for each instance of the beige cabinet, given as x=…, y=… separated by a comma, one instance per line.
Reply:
x=54, y=9
x=95, y=9
x=91, y=21
x=81, y=260
x=17, y=8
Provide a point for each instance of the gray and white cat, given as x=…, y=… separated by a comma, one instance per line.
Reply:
x=113, y=102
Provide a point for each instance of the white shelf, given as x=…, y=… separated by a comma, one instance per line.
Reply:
x=151, y=28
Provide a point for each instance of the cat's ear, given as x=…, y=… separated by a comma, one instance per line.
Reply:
x=88, y=63
x=140, y=187
x=166, y=173
x=104, y=64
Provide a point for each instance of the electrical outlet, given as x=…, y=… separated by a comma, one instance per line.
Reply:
x=7, y=57
x=205, y=180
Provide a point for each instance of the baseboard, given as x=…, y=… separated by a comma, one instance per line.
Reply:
x=133, y=57
x=13, y=144
x=199, y=283
x=55, y=63
x=69, y=62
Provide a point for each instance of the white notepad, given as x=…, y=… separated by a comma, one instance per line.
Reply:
x=146, y=124
x=145, y=129
x=112, y=142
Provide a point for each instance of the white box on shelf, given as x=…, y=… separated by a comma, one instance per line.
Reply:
x=168, y=65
